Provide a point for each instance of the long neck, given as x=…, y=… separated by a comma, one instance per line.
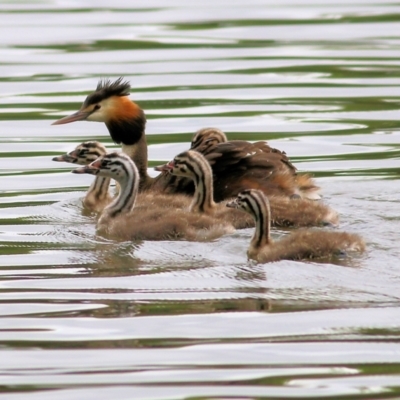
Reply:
x=126, y=198
x=203, y=199
x=128, y=128
x=98, y=191
x=138, y=153
x=262, y=215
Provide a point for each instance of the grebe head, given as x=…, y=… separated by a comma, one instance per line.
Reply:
x=184, y=164
x=109, y=101
x=83, y=154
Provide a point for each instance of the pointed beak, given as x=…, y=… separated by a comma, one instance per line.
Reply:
x=80, y=170
x=95, y=164
x=165, y=167
x=232, y=204
x=63, y=158
x=92, y=169
x=70, y=157
x=77, y=116
x=86, y=170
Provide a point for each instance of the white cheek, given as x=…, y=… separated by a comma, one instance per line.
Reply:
x=97, y=116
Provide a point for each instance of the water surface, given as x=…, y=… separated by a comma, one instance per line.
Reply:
x=83, y=317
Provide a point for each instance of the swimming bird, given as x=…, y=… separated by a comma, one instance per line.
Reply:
x=122, y=220
x=97, y=196
x=193, y=165
x=285, y=212
x=236, y=165
x=299, y=245
x=214, y=144
x=206, y=139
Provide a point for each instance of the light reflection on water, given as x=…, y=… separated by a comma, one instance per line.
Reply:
x=175, y=319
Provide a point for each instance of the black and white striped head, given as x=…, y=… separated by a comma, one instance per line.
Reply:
x=207, y=138
x=83, y=154
x=189, y=164
x=251, y=201
x=114, y=165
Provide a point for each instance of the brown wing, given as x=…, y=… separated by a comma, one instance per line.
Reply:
x=239, y=165
x=247, y=155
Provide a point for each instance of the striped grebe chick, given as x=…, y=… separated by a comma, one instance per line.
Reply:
x=203, y=141
x=285, y=212
x=206, y=139
x=122, y=220
x=97, y=196
x=303, y=244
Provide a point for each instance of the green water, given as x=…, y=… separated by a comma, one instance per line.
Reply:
x=86, y=318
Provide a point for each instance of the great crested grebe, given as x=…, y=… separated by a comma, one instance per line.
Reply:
x=208, y=141
x=300, y=245
x=236, y=165
x=122, y=220
x=285, y=212
x=97, y=196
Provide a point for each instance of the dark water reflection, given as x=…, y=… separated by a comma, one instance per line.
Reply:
x=83, y=317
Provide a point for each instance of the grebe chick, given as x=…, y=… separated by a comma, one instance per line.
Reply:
x=206, y=139
x=300, y=245
x=203, y=141
x=236, y=165
x=97, y=196
x=122, y=220
x=193, y=165
x=285, y=212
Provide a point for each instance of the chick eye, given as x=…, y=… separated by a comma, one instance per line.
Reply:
x=96, y=107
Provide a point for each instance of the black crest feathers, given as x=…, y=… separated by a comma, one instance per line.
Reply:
x=106, y=88
x=117, y=88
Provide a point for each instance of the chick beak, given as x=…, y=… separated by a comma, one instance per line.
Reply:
x=95, y=164
x=165, y=167
x=71, y=157
x=77, y=116
x=63, y=158
x=93, y=168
